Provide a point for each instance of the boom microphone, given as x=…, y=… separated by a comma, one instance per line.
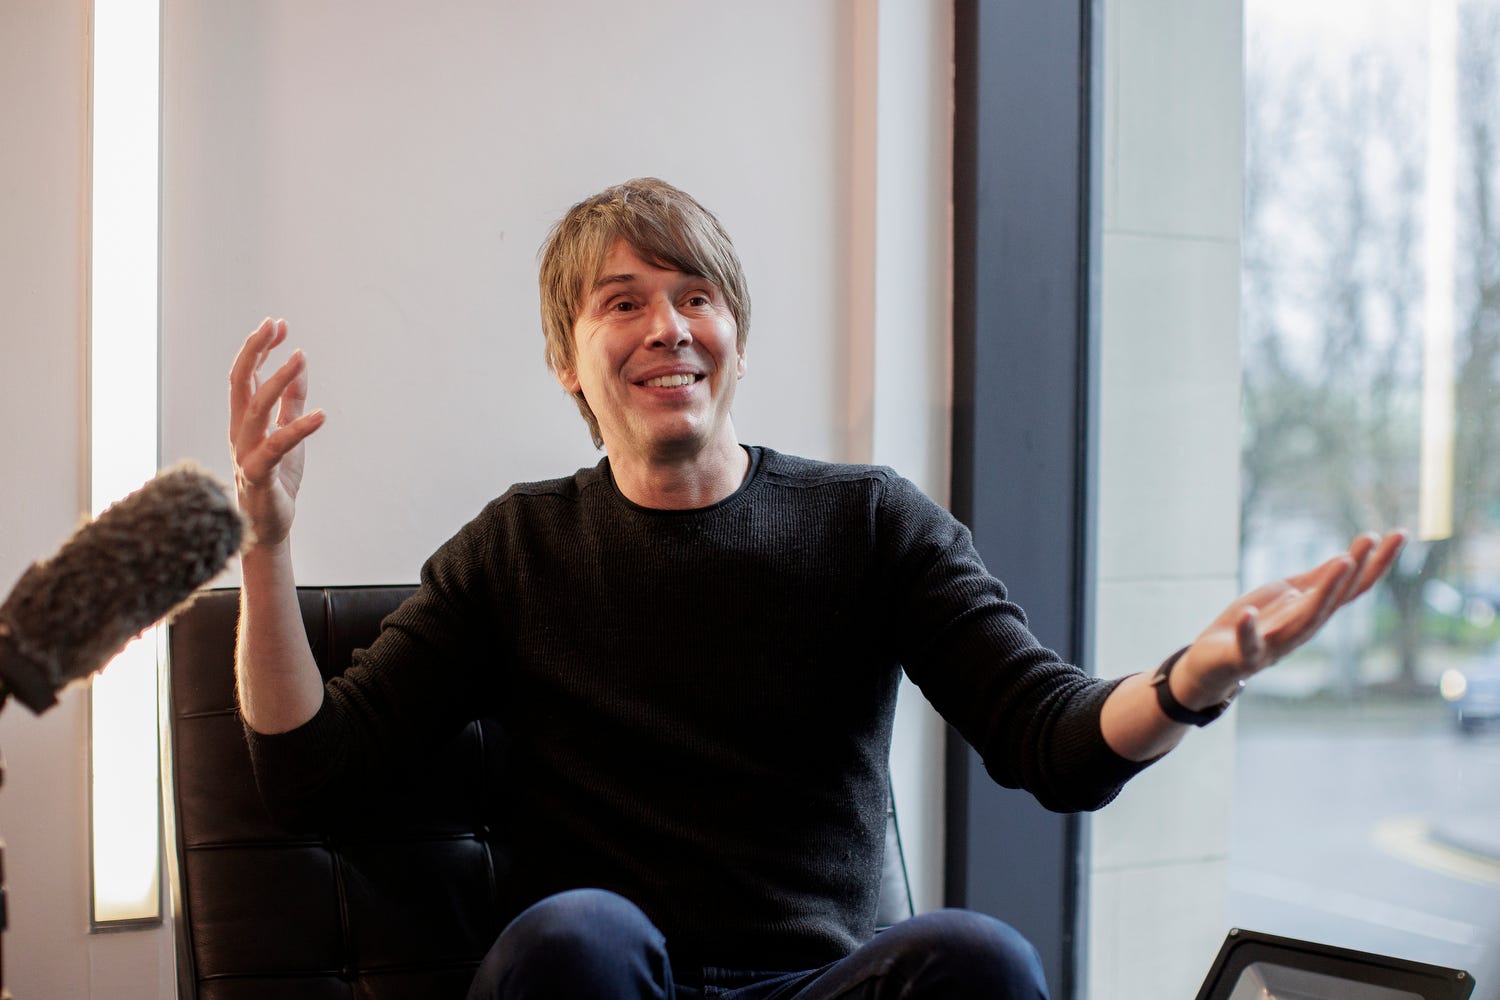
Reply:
x=137, y=563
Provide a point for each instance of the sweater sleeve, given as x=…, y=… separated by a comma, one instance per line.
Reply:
x=416, y=685
x=1033, y=718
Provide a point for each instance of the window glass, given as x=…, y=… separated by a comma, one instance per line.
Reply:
x=1367, y=802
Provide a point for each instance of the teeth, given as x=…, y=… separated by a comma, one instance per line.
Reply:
x=669, y=381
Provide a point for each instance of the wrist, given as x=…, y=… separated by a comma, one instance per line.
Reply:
x=1200, y=689
x=1184, y=701
x=266, y=560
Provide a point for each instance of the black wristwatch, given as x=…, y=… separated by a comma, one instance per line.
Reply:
x=1176, y=710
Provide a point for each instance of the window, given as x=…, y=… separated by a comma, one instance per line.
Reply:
x=125, y=831
x=1367, y=805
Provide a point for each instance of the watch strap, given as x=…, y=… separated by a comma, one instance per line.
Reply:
x=1174, y=709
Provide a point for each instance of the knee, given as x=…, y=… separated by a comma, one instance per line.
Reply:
x=575, y=941
x=971, y=954
x=580, y=920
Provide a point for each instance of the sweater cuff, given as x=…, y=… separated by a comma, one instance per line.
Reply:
x=1112, y=771
x=1086, y=773
x=281, y=760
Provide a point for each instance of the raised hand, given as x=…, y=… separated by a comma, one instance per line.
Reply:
x=1272, y=620
x=268, y=460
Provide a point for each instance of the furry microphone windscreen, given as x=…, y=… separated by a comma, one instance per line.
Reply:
x=137, y=563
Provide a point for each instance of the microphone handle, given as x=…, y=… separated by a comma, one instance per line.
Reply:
x=21, y=675
x=4, y=924
x=4, y=912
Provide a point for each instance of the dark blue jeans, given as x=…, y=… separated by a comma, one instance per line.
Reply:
x=589, y=943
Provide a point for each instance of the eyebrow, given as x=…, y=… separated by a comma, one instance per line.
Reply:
x=630, y=278
x=612, y=279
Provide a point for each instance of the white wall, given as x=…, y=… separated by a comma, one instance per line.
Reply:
x=900, y=395
x=1168, y=547
x=384, y=181
x=382, y=176
x=42, y=492
x=43, y=495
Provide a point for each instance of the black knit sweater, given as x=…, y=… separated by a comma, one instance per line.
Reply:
x=699, y=702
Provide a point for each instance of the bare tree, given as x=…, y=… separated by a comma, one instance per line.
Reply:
x=1476, y=460
x=1333, y=293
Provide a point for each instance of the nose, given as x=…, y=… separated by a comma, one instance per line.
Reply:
x=668, y=327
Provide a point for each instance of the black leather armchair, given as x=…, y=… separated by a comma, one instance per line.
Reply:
x=395, y=902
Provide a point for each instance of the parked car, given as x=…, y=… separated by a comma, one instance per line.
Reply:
x=1472, y=691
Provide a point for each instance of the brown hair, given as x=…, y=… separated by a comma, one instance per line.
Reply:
x=665, y=226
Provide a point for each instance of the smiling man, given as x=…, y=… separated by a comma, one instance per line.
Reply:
x=653, y=359
x=694, y=649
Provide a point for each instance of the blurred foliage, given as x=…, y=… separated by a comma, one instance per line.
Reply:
x=1333, y=300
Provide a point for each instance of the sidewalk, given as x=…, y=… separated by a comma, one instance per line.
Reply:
x=1470, y=834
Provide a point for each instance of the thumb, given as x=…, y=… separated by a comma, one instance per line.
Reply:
x=1252, y=641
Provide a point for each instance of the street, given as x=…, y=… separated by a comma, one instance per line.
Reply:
x=1375, y=830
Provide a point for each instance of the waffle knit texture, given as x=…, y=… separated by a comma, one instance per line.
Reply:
x=698, y=703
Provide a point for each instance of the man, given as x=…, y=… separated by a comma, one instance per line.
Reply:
x=694, y=649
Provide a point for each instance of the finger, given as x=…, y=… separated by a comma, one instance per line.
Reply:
x=1382, y=557
x=1322, y=575
x=256, y=418
x=1298, y=619
x=1345, y=568
x=258, y=466
x=1359, y=551
x=250, y=357
x=1319, y=577
x=294, y=399
x=263, y=338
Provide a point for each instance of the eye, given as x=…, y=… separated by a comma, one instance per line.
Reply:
x=621, y=305
x=699, y=300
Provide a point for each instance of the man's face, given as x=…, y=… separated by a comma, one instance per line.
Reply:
x=655, y=357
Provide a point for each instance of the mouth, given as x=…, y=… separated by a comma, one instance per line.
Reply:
x=676, y=381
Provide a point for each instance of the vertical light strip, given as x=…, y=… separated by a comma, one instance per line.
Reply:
x=124, y=786
x=1435, y=504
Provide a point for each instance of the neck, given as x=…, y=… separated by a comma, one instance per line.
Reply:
x=681, y=484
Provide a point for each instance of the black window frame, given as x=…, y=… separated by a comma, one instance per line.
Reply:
x=1026, y=234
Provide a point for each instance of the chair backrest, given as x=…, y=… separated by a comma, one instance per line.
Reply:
x=400, y=901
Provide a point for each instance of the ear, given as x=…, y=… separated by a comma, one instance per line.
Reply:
x=739, y=366
x=568, y=379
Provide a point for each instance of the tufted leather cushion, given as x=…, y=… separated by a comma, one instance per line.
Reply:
x=396, y=901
